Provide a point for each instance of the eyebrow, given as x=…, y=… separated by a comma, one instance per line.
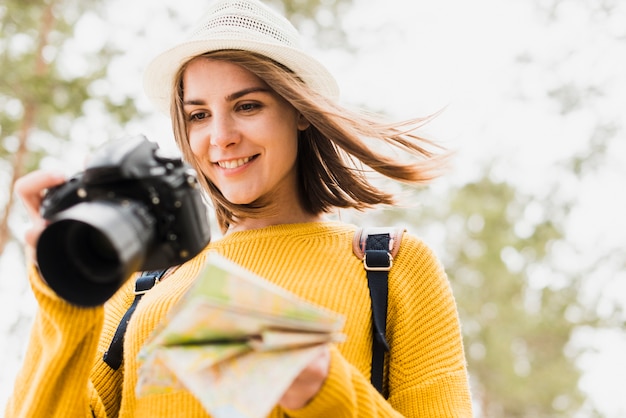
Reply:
x=230, y=97
x=237, y=95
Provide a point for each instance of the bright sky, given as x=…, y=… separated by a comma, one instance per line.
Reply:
x=416, y=57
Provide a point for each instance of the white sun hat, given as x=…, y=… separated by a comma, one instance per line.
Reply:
x=245, y=25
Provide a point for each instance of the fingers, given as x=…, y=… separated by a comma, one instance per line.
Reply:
x=31, y=236
x=308, y=383
x=31, y=187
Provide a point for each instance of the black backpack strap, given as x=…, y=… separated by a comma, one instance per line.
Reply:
x=377, y=247
x=115, y=354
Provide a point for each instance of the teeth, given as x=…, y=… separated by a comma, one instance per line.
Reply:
x=233, y=163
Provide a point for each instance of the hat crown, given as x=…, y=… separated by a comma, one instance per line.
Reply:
x=245, y=20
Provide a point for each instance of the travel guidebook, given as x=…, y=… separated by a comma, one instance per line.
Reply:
x=236, y=341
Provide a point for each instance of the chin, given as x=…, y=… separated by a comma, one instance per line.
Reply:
x=240, y=200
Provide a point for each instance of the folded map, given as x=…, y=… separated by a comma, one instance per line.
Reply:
x=236, y=341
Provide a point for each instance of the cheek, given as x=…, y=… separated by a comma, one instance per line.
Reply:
x=197, y=146
x=291, y=147
x=199, y=154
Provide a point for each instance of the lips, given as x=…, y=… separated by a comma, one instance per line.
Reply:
x=238, y=162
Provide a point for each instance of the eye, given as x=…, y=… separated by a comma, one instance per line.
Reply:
x=197, y=116
x=249, y=107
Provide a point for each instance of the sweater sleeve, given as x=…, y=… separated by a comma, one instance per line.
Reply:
x=427, y=372
x=54, y=380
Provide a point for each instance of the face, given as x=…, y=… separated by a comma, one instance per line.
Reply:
x=242, y=134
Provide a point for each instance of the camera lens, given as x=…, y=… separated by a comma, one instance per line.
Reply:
x=96, y=243
x=89, y=250
x=93, y=254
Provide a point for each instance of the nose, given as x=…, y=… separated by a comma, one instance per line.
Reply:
x=223, y=132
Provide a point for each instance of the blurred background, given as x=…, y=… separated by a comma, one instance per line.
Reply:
x=529, y=221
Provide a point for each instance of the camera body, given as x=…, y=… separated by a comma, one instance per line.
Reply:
x=131, y=209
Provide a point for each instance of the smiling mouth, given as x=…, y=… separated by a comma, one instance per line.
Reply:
x=230, y=164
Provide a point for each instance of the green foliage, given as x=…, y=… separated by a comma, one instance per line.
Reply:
x=37, y=92
x=516, y=339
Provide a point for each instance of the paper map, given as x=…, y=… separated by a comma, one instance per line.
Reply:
x=236, y=341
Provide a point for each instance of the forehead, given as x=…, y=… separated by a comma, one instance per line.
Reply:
x=216, y=75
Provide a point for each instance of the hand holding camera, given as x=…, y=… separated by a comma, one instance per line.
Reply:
x=131, y=209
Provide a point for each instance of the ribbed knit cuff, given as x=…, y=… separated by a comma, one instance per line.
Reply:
x=48, y=300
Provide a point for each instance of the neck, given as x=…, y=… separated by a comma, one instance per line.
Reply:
x=283, y=219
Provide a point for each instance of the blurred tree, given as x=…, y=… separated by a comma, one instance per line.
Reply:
x=513, y=301
x=40, y=94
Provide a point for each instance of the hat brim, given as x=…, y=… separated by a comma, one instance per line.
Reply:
x=159, y=75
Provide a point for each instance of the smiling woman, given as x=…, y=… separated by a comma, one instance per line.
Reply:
x=243, y=136
x=259, y=120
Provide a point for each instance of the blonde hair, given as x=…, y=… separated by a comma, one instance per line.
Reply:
x=334, y=154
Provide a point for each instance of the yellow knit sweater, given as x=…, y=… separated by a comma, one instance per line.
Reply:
x=64, y=376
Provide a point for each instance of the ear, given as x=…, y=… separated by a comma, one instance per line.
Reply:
x=303, y=123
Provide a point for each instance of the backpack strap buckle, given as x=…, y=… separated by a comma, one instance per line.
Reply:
x=378, y=260
x=360, y=239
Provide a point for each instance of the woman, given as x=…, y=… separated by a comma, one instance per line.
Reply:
x=258, y=119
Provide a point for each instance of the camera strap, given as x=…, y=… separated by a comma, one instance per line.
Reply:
x=377, y=247
x=115, y=354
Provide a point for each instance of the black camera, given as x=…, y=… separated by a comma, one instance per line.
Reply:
x=131, y=209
